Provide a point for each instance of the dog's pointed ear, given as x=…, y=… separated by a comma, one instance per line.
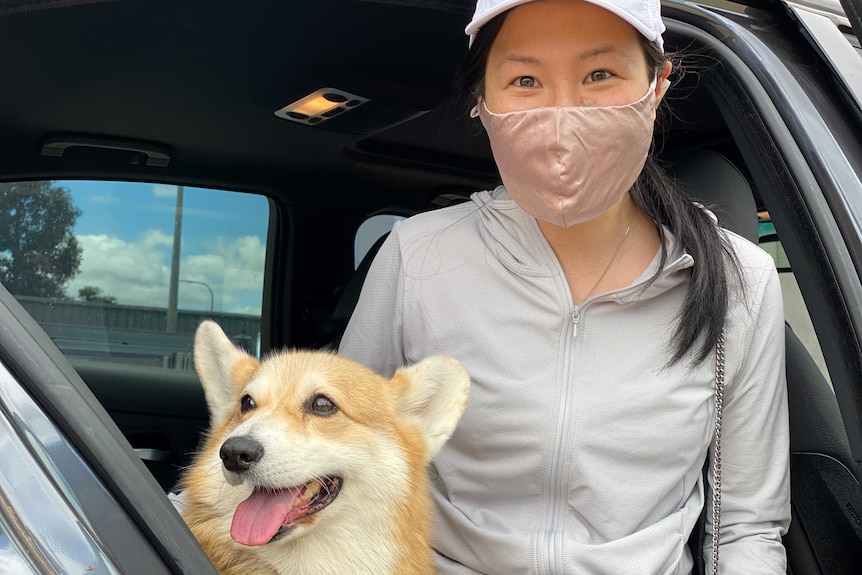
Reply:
x=222, y=368
x=433, y=393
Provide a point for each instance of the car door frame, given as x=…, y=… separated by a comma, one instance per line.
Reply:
x=806, y=171
x=48, y=377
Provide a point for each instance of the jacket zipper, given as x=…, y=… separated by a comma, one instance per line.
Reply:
x=556, y=496
x=575, y=317
x=558, y=459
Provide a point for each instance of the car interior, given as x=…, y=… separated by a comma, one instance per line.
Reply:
x=198, y=94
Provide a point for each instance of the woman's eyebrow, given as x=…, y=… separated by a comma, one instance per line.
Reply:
x=598, y=51
x=517, y=59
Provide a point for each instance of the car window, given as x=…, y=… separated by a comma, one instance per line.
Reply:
x=795, y=311
x=13, y=557
x=369, y=232
x=124, y=272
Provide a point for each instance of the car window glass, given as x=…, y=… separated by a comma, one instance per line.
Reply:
x=370, y=231
x=124, y=272
x=13, y=556
x=795, y=311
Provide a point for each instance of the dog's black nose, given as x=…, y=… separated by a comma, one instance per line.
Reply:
x=239, y=453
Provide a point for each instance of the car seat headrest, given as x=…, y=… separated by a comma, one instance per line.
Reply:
x=711, y=179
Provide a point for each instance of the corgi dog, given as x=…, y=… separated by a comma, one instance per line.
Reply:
x=314, y=464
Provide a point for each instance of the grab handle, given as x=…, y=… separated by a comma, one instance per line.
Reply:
x=156, y=156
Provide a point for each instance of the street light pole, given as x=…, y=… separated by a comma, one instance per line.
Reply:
x=173, y=287
x=209, y=289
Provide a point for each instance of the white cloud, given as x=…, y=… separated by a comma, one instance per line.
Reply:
x=138, y=273
x=154, y=239
x=164, y=191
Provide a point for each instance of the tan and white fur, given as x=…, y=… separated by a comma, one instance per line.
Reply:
x=376, y=434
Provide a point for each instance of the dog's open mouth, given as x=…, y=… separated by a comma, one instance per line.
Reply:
x=270, y=514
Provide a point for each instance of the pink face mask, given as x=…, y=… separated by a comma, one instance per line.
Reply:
x=568, y=164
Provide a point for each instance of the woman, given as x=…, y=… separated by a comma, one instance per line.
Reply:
x=585, y=297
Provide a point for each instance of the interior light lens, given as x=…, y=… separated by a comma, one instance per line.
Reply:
x=319, y=106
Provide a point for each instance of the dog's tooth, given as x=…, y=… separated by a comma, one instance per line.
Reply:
x=311, y=490
x=307, y=492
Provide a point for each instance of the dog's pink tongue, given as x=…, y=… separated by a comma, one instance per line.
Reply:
x=258, y=518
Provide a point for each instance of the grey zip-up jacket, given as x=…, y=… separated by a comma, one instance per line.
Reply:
x=580, y=451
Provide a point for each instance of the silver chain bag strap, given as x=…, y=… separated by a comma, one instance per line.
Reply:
x=716, y=450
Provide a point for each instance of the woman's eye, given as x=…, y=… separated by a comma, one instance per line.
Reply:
x=599, y=75
x=246, y=403
x=526, y=82
x=322, y=405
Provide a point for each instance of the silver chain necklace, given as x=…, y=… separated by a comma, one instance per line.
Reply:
x=613, y=257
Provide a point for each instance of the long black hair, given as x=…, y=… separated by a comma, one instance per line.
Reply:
x=705, y=307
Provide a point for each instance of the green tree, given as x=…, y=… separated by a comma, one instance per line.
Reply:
x=38, y=252
x=93, y=293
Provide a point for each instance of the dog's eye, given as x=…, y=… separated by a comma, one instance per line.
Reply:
x=246, y=403
x=322, y=405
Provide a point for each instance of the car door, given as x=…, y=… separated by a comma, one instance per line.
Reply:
x=76, y=498
x=794, y=112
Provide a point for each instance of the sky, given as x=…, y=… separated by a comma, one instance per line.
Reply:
x=126, y=234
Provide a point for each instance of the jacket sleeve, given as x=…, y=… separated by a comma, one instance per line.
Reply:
x=755, y=443
x=374, y=334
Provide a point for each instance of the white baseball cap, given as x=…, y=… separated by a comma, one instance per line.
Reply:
x=644, y=15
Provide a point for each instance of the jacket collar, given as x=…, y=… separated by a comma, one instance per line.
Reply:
x=507, y=224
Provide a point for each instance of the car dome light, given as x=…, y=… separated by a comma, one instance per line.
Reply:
x=320, y=106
